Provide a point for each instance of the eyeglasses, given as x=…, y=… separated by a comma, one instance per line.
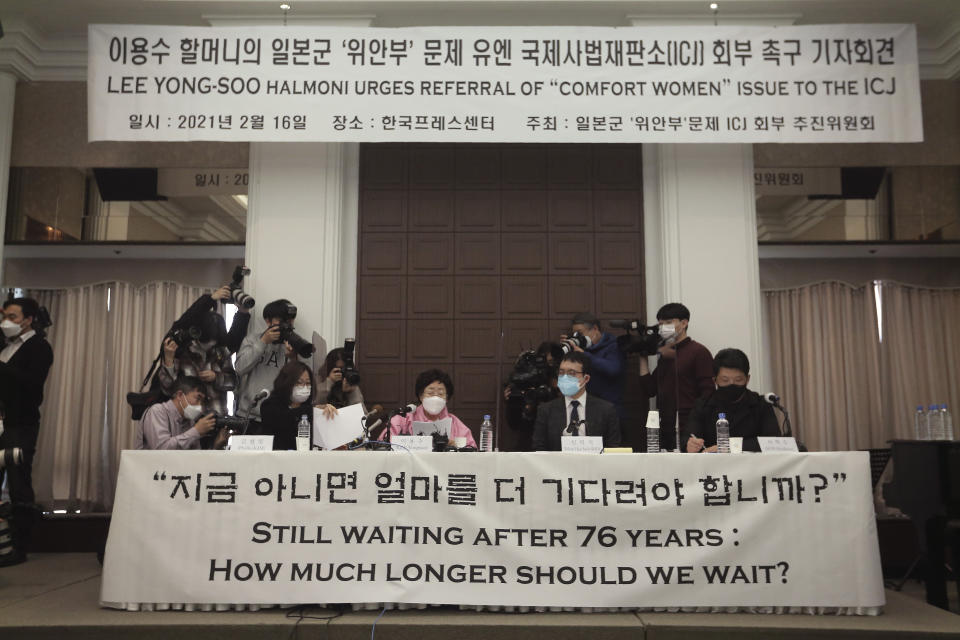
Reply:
x=570, y=372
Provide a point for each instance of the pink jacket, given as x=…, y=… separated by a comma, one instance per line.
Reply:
x=402, y=425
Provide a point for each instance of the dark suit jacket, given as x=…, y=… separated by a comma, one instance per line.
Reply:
x=22, y=380
x=552, y=420
x=749, y=418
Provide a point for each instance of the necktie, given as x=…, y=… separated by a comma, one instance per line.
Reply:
x=574, y=427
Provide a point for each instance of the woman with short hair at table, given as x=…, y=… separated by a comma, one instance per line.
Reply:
x=434, y=388
x=291, y=398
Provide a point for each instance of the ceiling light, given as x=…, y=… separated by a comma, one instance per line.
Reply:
x=714, y=6
x=285, y=7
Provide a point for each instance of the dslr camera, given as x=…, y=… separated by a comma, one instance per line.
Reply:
x=639, y=338
x=232, y=423
x=183, y=335
x=303, y=348
x=349, y=371
x=576, y=339
x=237, y=294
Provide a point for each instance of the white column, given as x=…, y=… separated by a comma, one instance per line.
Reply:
x=8, y=88
x=700, y=228
x=302, y=234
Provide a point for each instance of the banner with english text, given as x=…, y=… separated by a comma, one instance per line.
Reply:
x=669, y=84
x=520, y=530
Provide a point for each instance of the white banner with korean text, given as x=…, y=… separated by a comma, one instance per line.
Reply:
x=730, y=84
x=530, y=530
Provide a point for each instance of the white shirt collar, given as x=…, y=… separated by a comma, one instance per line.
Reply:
x=26, y=336
x=582, y=400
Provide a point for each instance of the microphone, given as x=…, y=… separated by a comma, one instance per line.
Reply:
x=377, y=409
x=261, y=396
x=772, y=398
x=402, y=411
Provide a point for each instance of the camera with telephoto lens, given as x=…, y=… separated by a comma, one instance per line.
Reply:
x=303, y=348
x=11, y=457
x=577, y=339
x=237, y=293
x=639, y=338
x=529, y=385
x=349, y=371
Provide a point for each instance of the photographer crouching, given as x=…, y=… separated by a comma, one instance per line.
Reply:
x=25, y=361
x=179, y=423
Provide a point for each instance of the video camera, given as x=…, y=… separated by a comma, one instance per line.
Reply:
x=303, y=348
x=644, y=341
x=529, y=385
x=349, y=371
x=237, y=293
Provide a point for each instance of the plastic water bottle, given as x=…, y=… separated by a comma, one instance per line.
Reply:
x=653, y=439
x=934, y=423
x=947, y=420
x=303, y=434
x=920, y=427
x=486, y=435
x=723, y=434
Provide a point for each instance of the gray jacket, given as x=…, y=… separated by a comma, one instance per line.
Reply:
x=257, y=365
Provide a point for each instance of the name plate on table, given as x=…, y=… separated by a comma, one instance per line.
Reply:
x=413, y=443
x=777, y=445
x=581, y=444
x=250, y=443
x=736, y=445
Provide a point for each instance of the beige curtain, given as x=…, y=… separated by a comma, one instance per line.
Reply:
x=104, y=338
x=825, y=364
x=852, y=363
x=139, y=318
x=920, y=351
x=70, y=445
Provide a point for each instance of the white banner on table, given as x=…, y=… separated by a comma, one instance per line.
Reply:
x=663, y=530
x=742, y=84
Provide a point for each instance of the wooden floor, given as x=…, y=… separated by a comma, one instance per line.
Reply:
x=57, y=595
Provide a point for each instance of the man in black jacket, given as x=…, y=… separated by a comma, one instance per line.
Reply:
x=749, y=415
x=576, y=413
x=24, y=363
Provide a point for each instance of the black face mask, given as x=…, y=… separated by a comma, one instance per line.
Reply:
x=730, y=393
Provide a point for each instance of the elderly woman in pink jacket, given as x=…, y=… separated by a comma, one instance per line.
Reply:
x=434, y=388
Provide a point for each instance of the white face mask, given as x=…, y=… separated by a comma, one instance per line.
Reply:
x=668, y=332
x=434, y=404
x=301, y=393
x=192, y=411
x=10, y=328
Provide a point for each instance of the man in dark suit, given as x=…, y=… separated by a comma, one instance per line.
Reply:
x=25, y=360
x=576, y=413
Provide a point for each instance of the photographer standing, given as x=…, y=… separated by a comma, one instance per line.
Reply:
x=199, y=346
x=340, y=384
x=606, y=368
x=261, y=357
x=684, y=372
x=25, y=361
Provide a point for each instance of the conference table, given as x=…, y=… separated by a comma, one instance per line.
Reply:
x=773, y=532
